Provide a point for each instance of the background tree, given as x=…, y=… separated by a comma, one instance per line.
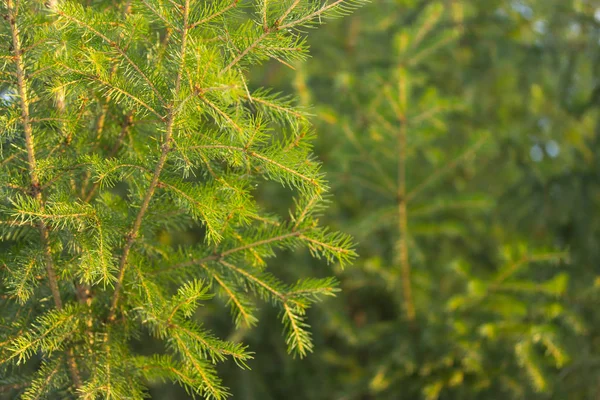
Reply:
x=497, y=104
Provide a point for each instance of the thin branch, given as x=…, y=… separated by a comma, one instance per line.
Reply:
x=261, y=242
x=166, y=148
x=209, y=346
x=510, y=271
x=215, y=15
x=7, y=160
x=113, y=87
x=47, y=381
x=260, y=157
x=124, y=131
x=189, y=355
x=373, y=161
x=327, y=246
x=246, y=51
x=254, y=279
x=302, y=346
x=159, y=15
x=223, y=114
x=283, y=167
x=312, y=15
x=219, y=256
x=247, y=317
x=265, y=9
x=275, y=106
x=31, y=157
x=313, y=200
x=190, y=199
x=115, y=46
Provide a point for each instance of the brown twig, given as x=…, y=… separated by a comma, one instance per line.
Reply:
x=35, y=184
x=166, y=148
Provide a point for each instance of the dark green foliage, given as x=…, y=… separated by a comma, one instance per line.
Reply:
x=124, y=127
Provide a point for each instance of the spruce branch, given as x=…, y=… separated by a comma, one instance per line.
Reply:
x=242, y=310
x=210, y=384
x=44, y=378
x=35, y=184
x=114, y=45
x=328, y=10
x=226, y=253
x=313, y=183
x=247, y=50
x=114, y=89
x=166, y=148
x=209, y=18
x=287, y=12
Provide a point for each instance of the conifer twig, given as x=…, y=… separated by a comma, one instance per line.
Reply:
x=247, y=50
x=115, y=88
x=220, y=256
x=260, y=157
x=265, y=9
x=511, y=270
x=124, y=131
x=215, y=15
x=267, y=30
x=166, y=148
x=119, y=50
x=326, y=7
x=287, y=12
x=35, y=184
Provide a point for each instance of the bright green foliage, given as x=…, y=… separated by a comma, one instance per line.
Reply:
x=128, y=124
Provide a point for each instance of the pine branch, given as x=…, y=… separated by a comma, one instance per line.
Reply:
x=166, y=148
x=299, y=339
x=242, y=312
x=211, y=385
x=124, y=131
x=115, y=46
x=44, y=378
x=287, y=12
x=220, y=256
x=311, y=181
x=246, y=51
x=338, y=7
x=264, y=12
x=233, y=4
x=120, y=91
x=35, y=184
x=217, y=350
x=162, y=17
x=272, y=289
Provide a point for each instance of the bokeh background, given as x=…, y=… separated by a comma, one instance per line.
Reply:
x=499, y=103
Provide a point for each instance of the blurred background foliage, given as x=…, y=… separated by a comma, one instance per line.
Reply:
x=489, y=112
